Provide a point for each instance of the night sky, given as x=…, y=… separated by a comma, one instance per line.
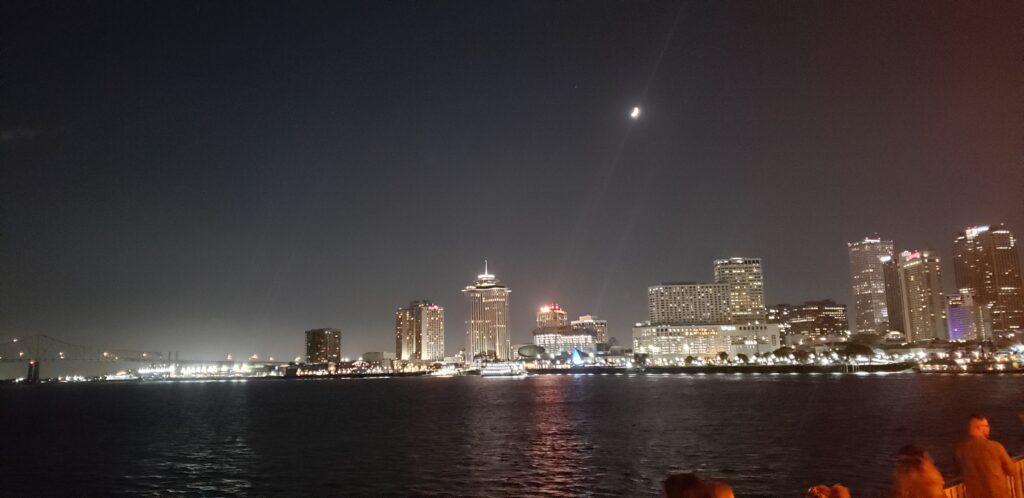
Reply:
x=217, y=177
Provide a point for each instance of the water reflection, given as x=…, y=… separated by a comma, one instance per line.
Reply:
x=558, y=440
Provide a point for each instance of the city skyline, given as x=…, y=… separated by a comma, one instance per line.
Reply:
x=218, y=180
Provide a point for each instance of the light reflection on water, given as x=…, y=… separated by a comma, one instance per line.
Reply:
x=553, y=435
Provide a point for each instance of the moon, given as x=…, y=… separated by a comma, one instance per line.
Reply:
x=635, y=113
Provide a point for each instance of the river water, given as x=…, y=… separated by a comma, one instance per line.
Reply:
x=550, y=435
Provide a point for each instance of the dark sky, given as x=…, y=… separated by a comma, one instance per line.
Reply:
x=217, y=177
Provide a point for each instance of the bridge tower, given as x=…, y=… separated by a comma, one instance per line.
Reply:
x=33, y=372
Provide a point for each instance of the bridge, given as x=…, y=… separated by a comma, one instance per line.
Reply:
x=41, y=347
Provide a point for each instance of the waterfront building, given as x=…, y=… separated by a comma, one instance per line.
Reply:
x=924, y=306
x=558, y=340
x=552, y=315
x=323, y=346
x=870, y=314
x=893, y=293
x=557, y=336
x=673, y=343
x=487, y=326
x=381, y=359
x=986, y=263
x=968, y=320
x=419, y=332
x=779, y=315
x=818, y=318
x=746, y=288
x=689, y=304
x=594, y=326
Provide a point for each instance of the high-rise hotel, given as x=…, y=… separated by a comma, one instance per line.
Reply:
x=689, y=304
x=986, y=264
x=870, y=314
x=746, y=288
x=419, y=332
x=323, y=346
x=924, y=304
x=487, y=329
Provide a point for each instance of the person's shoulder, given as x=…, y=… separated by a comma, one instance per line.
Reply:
x=994, y=445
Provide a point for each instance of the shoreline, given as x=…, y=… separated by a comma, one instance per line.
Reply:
x=839, y=369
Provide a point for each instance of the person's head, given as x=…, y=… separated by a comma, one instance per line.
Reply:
x=718, y=489
x=978, y=426
x=910, y=451
x=683, y=486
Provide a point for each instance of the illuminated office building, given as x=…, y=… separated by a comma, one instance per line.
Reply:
x=818, y=318
x=986, y=263
x=592, y=325
x=557, y=336
x=419, y=332
x=552, y=315
x=924, y=304
x=487, y=326
x=870, y=314
x=746, y=288
x=323, y=346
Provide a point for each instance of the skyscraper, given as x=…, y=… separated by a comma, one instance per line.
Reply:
x=924, y=306
x=869, y=311
x=987, y=265
x=689, y=304
x=893, y=293
x=323, y=345
x=419, y=332
x=487, y=332
x=746, y=288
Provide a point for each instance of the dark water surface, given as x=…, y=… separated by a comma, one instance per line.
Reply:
x=545, y=435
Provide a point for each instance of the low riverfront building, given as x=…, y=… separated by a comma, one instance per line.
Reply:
x=668, y=343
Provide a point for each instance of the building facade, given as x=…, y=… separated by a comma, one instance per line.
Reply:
x=419, y=332
x=870, y=314
x=986, y=263
x=924, y=304
x=323, y=346
x=594, y=326
x=893, y=293
x=968, y=320
x=672, y=343
x=552, y=315
x=487, y=326
x=689, y=304
x=779, y=315
x=559, y=340
x=818, y=318
x=745, y=279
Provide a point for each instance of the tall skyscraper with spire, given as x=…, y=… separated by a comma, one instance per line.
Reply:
x=986, y=265
x=487, y=327
x=870, y=314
